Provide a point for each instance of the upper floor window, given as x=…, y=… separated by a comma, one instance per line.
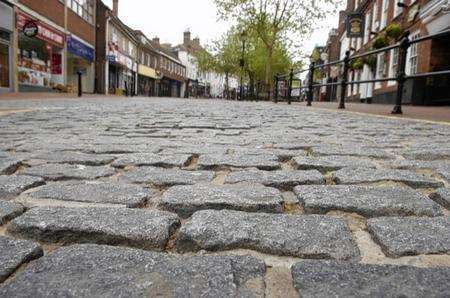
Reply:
x=384, y=13
x=412, y=55
x=83, y=8
x=397, y=9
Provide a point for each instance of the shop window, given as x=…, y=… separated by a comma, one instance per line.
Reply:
x=4, y=65
x=83, y=8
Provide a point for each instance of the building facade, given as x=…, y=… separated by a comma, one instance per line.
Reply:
x=148, y=58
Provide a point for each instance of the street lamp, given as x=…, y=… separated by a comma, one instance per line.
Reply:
x=242, y=63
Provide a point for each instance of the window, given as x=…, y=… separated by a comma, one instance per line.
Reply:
x=393, y=65
x=381, y=69
x=384, y=11
x=375, y=17
x=83, y=8
x=411, y=67
x=368, y=21
x=397, y=9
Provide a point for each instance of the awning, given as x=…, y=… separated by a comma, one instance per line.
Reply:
x=147, y=71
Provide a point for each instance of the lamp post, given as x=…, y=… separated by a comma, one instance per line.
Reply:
x=242, y=63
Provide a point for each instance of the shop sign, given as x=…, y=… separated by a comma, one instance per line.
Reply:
x=79, y=49
x=355, y=25
x=44, y=31
x=30, y=29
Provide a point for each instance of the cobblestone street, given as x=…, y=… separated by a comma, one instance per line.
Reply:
x=186, y=198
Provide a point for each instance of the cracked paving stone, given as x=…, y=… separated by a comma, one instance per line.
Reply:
x=324, y=278
x=8, y=165
x=363, y=175
x=368, y=201
x=106, y=271
x=115, y=226
x=185, y=200
x=411, y=236
x=15, y=253
x=304, y=236
x=76, y=158
x=330, y=163
x=150, y=159
x=131, y=196
x=11, y=186
x=9, y=210
x=278, y=179
x=262, y=162
x=166, y=177
x=442, y=197
x=55, y=172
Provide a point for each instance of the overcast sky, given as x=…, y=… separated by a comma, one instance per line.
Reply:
x=168, y=19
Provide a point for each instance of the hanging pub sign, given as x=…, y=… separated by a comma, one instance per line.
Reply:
x=355, y=25
x=30, y=29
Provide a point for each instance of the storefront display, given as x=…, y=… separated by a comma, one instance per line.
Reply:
x=6, y=28
x=122, y=72
x=40, y=55
x=80, y=59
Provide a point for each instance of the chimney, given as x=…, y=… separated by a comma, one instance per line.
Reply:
x=186, y=37
x=156, y=40
x=116, y=7
x=196, y=41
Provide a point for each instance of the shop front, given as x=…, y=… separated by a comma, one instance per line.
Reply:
x=80, y=58
x=121, y=74
x=6, y=28
x=40, y=55
x=146, y=81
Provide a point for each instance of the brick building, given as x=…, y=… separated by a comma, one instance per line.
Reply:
x=148, y=58
x=419, y=18
x=52, y=40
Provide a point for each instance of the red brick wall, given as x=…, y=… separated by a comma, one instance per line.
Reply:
x=80, y=27
x=51, y=9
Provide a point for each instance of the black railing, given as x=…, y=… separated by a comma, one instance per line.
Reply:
x=400, y=77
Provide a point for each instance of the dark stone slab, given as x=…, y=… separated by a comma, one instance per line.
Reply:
x=105, y=271
x=57, y=172
x=310, y=236
x=150, y=159
x=131, y=196
x=330, y=163
x=15, y=253
x=185, y=200
x=411, y=236
x=442, y=197
x=363, y=175
x=166, y=177
x=117, y=226
x=262, y=162
x=8, y=165
x=9, y=210
x=368, y=201
x=10, y=186
x=76, y=158
x=323, y=278
x=280, y=179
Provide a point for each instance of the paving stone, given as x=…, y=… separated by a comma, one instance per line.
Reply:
x=166, y=177
x=8, y=165
x=351, y=150
x=330, y=163
x=15, y=253
x=324, y=278
x=131, y=196
x=427, y=153
x=262, y=162
x=117, y=226
x=150, y=159
x=10, y=186
x=368, y=201
x=185, y=200
x=105, y=271
x=56, y=172
x=76, y=158
x=442, y=197
x=364, y=175
x=305, y=236
x=9, y=210
x=411, y=236
x=279, y=179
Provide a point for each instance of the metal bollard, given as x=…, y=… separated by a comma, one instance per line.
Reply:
x=80, y=84
x=310, y=84
x=291, y=77
x=126, y=88
x=344, y=80
x=275, y=96
x=402, y=52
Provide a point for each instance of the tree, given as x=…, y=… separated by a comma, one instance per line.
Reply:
x=276, y=20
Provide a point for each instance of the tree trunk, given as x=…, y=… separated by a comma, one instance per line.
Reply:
x=269, y=71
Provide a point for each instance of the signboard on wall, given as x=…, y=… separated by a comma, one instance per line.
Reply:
x=355, y=25
x=44, y=31
x=79, y=49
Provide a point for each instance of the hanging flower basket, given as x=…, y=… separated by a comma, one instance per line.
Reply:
x=380, y=42
x=356, y=64
x=370, y=61
x=394, y=31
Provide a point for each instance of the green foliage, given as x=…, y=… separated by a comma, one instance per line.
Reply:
x=356, y=64
x=380, y=42
x=370, y=61
x=394, y=31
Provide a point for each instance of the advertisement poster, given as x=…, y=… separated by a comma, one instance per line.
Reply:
x=56, y=64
